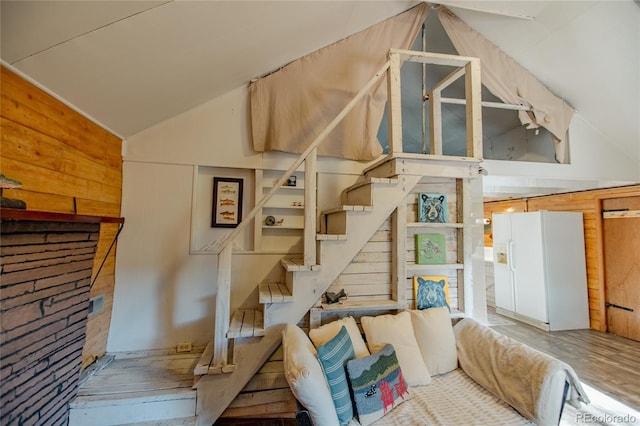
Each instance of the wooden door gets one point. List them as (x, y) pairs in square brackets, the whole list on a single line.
[(621, 229)]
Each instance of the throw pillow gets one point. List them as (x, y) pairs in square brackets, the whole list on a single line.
[(377, 384), (321, 335), (305, 376), (333, 356), (434, 333), (431, 292), (398, 331)]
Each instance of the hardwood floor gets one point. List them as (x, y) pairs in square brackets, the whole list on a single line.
[(604, 361)]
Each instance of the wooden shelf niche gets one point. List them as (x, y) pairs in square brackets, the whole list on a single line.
[(280, 226), (451, 265)]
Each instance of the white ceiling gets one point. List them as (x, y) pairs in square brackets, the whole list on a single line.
[(132, 64)]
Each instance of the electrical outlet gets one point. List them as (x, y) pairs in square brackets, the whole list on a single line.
[(184, 347)]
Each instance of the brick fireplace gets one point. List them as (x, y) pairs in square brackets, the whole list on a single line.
[(47, 262)]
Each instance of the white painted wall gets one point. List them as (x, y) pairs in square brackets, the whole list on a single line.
[(595, 162), (165, 295)]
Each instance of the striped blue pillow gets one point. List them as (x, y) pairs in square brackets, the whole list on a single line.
[(333, 356)]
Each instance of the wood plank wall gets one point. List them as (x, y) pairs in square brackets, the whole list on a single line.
[(590, 204), (66, 164)]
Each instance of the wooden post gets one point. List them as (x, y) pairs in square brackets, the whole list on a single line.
[(257, 220), (435, 121), (395, 104), (469, 199), (310, 200), (399, 253), (602, 314), (223, 302), (473, 92)]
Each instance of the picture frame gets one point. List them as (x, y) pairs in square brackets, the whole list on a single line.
[(431, 249), (227, 202), (431, 291), (432, 208)]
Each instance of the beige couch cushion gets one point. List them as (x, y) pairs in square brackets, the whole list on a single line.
[(398, 331), (305, 376), (434, 334)]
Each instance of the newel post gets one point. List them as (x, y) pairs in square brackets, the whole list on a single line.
[(223, 301)]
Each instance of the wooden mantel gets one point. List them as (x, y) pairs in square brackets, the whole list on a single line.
[(17, 214)]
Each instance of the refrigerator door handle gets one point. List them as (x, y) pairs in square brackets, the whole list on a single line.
[(511, 260)]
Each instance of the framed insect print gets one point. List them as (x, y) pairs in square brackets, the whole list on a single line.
[(227, 202)]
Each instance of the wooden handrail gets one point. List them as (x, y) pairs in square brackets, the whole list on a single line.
[(220, 245)]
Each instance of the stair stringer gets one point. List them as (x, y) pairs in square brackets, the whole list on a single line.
[(215, 392), (336, 255)]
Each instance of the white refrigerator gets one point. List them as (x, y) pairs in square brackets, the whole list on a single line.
[(539, 267)]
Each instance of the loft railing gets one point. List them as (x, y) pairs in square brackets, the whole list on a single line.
[(469, 67)]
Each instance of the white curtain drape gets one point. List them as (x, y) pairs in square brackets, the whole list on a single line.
[(511, 82), (292, 106)]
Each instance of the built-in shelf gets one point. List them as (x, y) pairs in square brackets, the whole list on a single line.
[(362, 305), (430, 225), (282, 227), (283, 206), (267, 188), (416, 267)]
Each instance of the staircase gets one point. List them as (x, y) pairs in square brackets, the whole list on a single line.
[(244, 340), (339, 241)]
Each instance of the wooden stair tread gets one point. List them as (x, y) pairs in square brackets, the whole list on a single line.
[(293, 264), (246, 323), (372, 180), (274, 293), (105, 399), (348, 208), (330, 237)]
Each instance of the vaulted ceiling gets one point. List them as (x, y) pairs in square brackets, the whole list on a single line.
[(132, 64)]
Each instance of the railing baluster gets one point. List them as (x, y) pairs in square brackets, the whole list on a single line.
[(310, 216)]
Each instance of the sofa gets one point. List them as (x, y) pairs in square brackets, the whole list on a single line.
[(416, 367)]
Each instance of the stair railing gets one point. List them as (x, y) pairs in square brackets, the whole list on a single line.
[(224, 247)]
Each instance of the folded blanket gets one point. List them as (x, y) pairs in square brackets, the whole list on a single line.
[(530, 381)]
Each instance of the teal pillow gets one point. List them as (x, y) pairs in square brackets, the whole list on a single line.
[(333, 356), (377, 384)]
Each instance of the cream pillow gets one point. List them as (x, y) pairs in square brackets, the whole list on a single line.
[(434, 333), (305, 376), (321, 335), (397, 330)]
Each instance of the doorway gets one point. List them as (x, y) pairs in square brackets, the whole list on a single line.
[(621, 248)]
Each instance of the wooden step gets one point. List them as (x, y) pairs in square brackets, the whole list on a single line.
[(295, 264), (361, 193), (274, 293), (137, 390), (204, 364), (246, 323), (331, 237), (334, 221), (348, 208)]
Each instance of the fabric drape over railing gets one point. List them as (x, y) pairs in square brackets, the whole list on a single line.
[(511, 82), (292, 106)]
